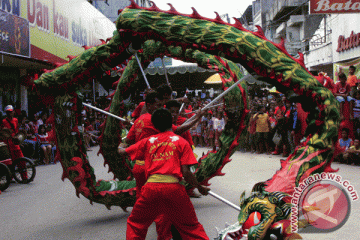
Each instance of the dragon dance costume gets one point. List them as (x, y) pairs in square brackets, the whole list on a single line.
[(212, 44)]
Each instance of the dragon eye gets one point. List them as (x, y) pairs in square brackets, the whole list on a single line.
[(253, 220)]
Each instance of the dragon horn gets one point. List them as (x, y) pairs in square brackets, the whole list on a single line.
[(242, 198)]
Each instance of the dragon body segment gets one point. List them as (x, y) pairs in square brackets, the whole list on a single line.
[(212, 44)]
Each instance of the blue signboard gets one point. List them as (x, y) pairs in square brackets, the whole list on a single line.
[(14, 35)]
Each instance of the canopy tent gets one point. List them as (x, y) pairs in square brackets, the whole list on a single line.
[(193, 68), (181, 77)]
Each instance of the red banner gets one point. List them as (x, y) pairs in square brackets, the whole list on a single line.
[(334, 6)]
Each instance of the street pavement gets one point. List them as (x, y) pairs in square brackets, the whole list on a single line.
[(49, 209)]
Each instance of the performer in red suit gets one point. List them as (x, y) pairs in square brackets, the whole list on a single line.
[(143, 128), (174, 107), (167, 159), (164, 94), (12, 123)]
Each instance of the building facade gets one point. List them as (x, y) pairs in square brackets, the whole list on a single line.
[(110, 8), (35, 34), (329, 39), (287, 19)]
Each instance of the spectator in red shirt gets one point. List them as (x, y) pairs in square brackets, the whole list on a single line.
[(188, 110), (326, 81), (279, 109), (351, 79), (167, 159), (342, 94), (11, 124)]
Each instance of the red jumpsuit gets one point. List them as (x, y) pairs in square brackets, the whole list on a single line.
[(137, 112), (186, 135), (162, 195), (141, 129), (12, 124), (15, 150)]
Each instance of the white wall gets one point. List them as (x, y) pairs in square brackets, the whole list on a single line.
[(344, 24), (319, 56)]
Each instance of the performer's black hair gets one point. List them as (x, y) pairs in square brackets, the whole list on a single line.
[(162, 119), (172, 103), (151, 97), (162, 90)]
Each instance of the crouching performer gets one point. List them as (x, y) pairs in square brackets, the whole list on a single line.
[(167, 159)]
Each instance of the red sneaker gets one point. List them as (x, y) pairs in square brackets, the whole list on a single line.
[(275, 153)]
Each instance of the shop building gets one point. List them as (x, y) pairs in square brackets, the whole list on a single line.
[(35, 34), (336, 45), (346, 43)]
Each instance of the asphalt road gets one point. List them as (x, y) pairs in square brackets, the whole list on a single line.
[(49, 209)]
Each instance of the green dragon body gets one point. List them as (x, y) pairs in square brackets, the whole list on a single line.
[(212, 44)]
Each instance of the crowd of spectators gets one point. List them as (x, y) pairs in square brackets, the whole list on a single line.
[(206, 132), (274, 127), (39, 139), (40, 142)]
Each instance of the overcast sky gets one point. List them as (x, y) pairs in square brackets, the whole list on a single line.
[(207, 8)]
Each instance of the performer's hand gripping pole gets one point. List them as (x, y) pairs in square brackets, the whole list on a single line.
[(224, 200), (133, 50), (105, 112)]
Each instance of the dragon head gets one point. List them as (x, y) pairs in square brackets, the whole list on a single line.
[(260, 211), (263, 215)]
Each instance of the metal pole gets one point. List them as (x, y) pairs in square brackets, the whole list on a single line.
[(183, 104), (94, 90), (224, 201), (142, 71), (165, 71), (222, 95), (217, 105), (105, 112)]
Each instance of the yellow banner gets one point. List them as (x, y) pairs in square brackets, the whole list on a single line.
[(60, 27)]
